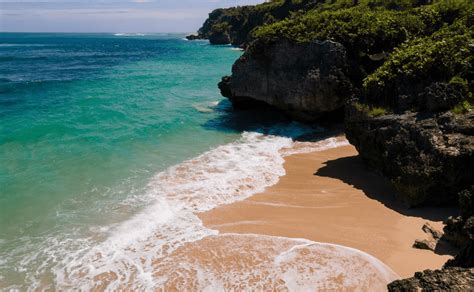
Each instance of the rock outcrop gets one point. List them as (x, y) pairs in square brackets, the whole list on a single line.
[(428, 157), (460, 230), (306, 80), (219, 38), (433, 238), (450, 279), (234, 25), (193, 37)]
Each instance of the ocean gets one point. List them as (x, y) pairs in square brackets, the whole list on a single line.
[(109, 146)]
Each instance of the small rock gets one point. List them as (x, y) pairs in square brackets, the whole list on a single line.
[(428, 229), (193, 37), (425, 244)]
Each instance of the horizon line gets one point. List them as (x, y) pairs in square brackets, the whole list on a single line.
[(99, 32)]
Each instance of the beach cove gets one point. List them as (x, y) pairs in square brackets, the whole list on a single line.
[(329, 196), (246, 145), (327, 224)]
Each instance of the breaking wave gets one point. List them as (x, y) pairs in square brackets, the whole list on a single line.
[(143, 251)]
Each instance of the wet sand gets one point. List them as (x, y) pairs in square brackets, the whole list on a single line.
[(330, 197)]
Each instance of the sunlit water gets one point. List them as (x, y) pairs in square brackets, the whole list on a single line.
[(109, 145)]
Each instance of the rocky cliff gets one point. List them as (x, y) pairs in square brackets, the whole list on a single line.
[(452, 279), (403, 71), (429, 157), (235, 25), (414, 124), (308, 65), (306, 80)]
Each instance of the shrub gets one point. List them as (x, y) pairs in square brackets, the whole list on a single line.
[(462, 108), (445, 56), (371, 111)]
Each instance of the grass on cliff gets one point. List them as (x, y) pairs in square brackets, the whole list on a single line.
[(371, 111), (446, 56), (369, 27), (402, 47), (239, 21), (462, 108), (405, 54)]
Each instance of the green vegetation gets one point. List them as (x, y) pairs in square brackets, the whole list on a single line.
[(220, 27), (367, 28), (360, 29), (401, 47), (239, 21), (462, 108), (372, 111), (405, 54), (445, 56)]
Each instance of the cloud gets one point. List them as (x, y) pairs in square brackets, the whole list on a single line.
[(106, 15)]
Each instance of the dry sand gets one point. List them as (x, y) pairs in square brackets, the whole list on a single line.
[(330, 197)]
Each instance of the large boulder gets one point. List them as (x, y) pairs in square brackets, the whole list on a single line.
[(306, 80), (429, 157)]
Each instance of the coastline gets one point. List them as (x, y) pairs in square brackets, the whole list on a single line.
[(328, 196)]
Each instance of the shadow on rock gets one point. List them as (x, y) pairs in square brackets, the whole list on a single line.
[(445, 248), (352, 171), (267, 120)]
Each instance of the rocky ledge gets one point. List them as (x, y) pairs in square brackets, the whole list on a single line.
[(306, 80), (451, 279), (429, 157)]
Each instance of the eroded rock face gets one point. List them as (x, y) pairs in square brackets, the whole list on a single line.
[(460, 230), (450, 279), (306, 80), (428, 157), (219, 38)]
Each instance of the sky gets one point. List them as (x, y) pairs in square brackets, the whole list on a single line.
[(117, 16)]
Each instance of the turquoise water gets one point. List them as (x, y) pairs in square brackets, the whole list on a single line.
[(109, 147), (86, 120)]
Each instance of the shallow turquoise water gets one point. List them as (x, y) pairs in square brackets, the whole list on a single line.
[(109, 147), (86, 120)]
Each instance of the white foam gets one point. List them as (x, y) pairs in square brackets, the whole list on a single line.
[(130, 34), (308, 147), (258, 262), (226, 174), (223, 175), (204, 107)]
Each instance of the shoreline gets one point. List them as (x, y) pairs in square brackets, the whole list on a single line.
[(329, 197)]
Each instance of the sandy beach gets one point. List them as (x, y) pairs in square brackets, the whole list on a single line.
[(330, 197)]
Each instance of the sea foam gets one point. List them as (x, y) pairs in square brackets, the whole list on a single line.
[(138, 253)]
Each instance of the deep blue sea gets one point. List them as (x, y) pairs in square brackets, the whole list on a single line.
[(109, 146)]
